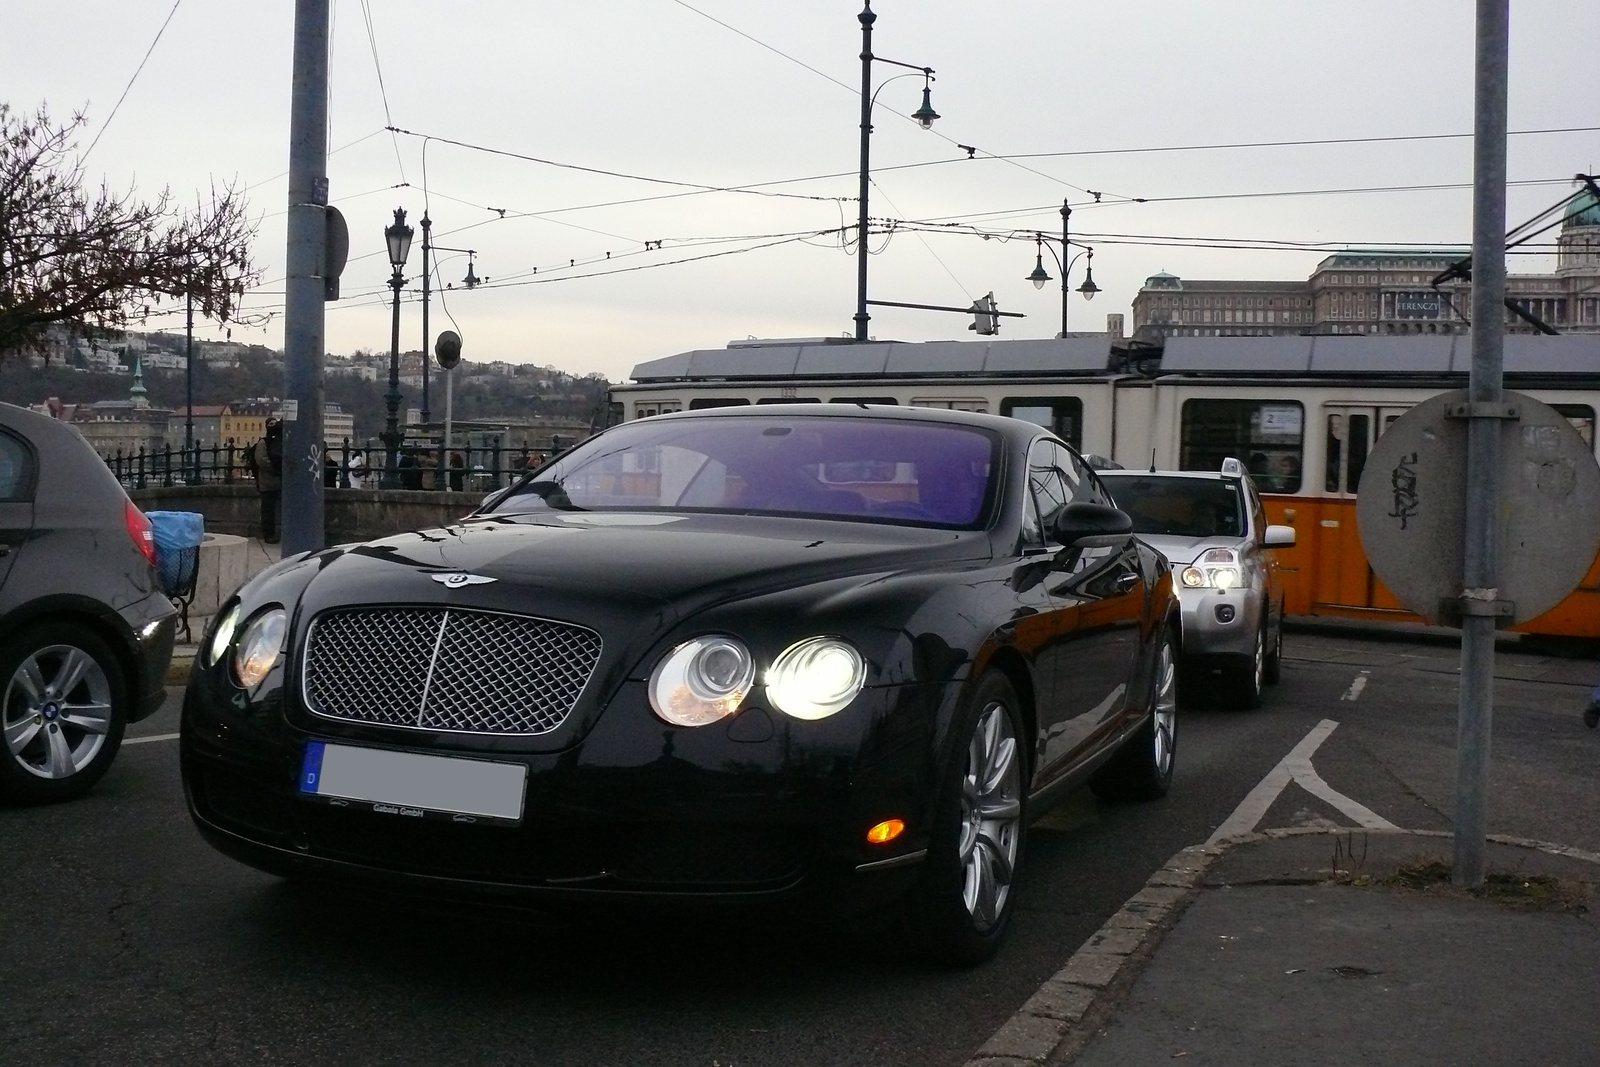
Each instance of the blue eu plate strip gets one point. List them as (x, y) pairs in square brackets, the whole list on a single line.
[(311, 770)]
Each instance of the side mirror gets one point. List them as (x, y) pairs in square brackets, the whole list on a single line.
[(1075, 522), (1280, 536)]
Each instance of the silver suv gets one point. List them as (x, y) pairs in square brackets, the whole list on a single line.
[(1211, 526)]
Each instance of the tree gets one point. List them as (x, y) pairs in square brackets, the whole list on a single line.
[(95, 260)]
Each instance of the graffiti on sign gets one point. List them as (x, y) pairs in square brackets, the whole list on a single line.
[(1403, 479)]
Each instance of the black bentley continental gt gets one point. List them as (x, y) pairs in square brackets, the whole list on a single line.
[(830, 654)]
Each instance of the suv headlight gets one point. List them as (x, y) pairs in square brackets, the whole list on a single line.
[(259, 647), (702, 680), (815, 678), (1217, 568)]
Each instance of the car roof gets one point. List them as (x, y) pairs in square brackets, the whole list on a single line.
[(1014, 429), (69, 467), (1213, 476)]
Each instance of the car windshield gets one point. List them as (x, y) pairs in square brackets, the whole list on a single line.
[(1177, 506), (869, 469)]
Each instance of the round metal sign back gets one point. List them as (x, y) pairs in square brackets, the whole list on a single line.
[(1410, 508)]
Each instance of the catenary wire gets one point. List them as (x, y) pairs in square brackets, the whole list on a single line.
[(118, 105)]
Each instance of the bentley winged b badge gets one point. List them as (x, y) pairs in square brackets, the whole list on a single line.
[(459, 579)]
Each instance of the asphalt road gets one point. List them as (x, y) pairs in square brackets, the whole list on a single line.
[(127, 939)]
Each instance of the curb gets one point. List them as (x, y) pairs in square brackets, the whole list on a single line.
[(182, 663), (1051, 1025)]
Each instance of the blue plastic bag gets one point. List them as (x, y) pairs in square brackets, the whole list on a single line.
[(177, 535)]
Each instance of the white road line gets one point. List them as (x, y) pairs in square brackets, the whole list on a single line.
[(146, 740), (1296, 767), (1356, 686)]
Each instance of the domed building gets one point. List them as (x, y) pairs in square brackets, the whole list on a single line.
[(1390, 292)]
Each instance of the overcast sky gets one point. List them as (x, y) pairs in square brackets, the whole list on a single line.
[(662, 89)]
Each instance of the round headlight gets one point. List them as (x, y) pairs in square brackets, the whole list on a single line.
[(702, 680), (1225, 577), (258, 647), (222, 637), (816, 677), (1193, 577)]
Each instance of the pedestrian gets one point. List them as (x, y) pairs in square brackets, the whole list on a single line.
[(330, 471), (457, 473), (410, 473), (265, 460), (358, 469)]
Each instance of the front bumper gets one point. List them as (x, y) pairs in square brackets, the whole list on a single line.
[(762, 807), (153, 623), (1220, 625)]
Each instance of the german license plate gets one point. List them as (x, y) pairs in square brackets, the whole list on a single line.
[(413, 784)]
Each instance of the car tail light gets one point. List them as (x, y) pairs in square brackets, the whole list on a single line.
[(139, 531)]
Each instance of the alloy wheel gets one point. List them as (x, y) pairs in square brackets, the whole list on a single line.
[(1164, 716), (57, 711), (991, 816)]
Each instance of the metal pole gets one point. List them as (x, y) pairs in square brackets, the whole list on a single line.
[(449, 383), (391, 427), (1473, 725), (867, 18), (305, 291), (1066, 258), (188, 387), (427, 227)]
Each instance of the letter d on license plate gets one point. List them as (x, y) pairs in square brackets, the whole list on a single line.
[(416, 784)]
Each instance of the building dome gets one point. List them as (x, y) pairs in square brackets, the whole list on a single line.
[(1585, 211), (1163, 280)]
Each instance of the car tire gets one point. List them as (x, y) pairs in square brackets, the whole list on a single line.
[(63, 707), (1272, 669), (1247, 681), (963, 902), (1142, 767)]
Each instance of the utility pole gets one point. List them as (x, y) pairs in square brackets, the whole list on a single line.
[(867, 18), (303, 316), (1485, 401), (427, 246), (1066, 260)]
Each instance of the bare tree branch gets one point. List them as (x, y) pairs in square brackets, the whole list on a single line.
[(93, 261)]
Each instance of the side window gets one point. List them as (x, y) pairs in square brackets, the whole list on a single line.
[(1085, 486), (16, 469), (1268, 435), (1046, 485)]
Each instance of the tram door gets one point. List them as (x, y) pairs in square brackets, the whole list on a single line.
[(1343, 576)]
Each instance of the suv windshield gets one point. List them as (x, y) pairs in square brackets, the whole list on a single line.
[(845, 467), (1178, 506)]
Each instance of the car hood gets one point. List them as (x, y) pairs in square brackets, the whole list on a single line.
[(621, 571), (1182, 551)]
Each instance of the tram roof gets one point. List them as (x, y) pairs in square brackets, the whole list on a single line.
[(1071, 355), (1414, 354)]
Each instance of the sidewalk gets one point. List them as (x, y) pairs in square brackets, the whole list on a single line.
[(1303, 947), (260, 556)]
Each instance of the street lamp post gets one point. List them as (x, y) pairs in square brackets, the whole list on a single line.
[(427, 247), (924, 115), (398, 238), (1040, 276)]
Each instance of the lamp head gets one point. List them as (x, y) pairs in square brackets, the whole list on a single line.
[(398, 238), (925, 114), (1039, 277), (1089, 288)]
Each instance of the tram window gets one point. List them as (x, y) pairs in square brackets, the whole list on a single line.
[(980, 406), (1582, 418), (1267, 434), (1360, 431), (1335, 456), (789, 400), (644, 409), (887, 401), (1061, 415), (717, 402)]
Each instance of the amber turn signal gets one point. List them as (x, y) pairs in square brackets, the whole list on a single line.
[(886, 831)]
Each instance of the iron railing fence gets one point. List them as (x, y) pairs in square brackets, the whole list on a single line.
[(477, 468)]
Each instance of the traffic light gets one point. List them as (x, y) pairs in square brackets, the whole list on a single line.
[(984, 319)]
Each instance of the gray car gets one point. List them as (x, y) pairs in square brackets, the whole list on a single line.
[(1211, 526), (85, 632)]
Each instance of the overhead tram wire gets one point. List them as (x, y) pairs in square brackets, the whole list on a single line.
[(383, 91), (118, 105)]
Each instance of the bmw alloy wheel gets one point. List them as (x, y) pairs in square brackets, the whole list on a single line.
[(57, 711)]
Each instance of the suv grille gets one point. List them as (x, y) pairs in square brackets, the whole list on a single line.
[(447, 669)]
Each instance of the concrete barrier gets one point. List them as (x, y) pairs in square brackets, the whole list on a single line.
[(348, 514), (224, 567)]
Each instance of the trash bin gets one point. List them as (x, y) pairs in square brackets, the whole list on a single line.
[(177, 535)]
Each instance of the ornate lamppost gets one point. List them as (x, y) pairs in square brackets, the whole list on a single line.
[(924, 115), (1040, 276), (398, 238)]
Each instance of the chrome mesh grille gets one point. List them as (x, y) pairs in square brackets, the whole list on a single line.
[(447, 669)]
